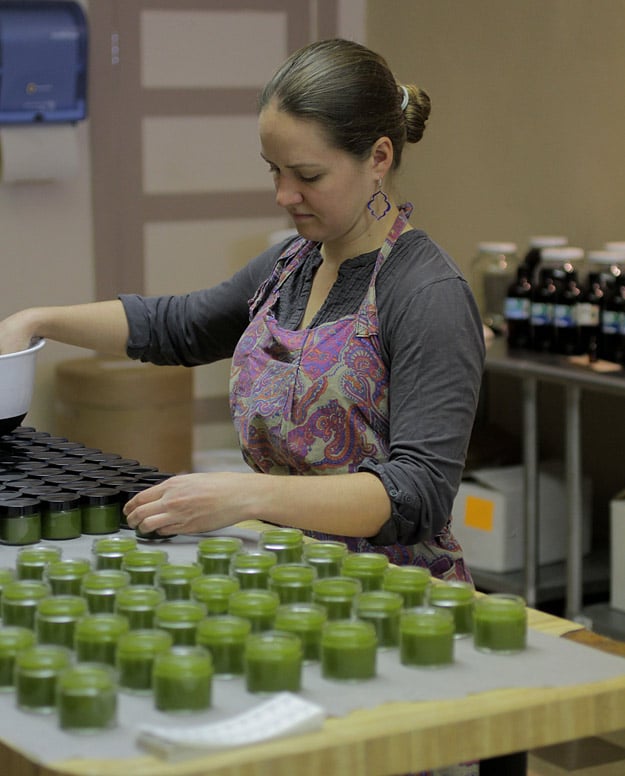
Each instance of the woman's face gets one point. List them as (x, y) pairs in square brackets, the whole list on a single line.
[(324, 190)]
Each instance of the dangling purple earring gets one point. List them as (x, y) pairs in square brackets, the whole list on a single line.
[(382, 203)]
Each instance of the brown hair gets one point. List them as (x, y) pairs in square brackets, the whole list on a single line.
[(352, 93)]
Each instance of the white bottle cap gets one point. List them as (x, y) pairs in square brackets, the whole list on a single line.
[(497, 247), (568, 253), (548, 241), (606, 257), (615, 246)]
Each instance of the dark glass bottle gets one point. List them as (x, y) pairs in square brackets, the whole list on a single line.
[(542, 311), (613, 323), (589, 310), (534, 251), (518, 310), (566, 331)]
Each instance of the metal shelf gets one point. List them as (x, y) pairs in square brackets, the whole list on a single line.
[(551, 583), (606, 621)]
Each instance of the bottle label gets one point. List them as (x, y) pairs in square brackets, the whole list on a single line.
[(588, 314), (564, 316), (542, 314), (610, 322), (516, 309)]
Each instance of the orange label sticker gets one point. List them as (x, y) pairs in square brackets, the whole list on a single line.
[(479, 513)]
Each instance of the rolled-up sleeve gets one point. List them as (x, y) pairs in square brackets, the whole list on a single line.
[(435, 350)]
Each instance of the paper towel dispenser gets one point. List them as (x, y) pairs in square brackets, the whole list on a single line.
[(43, 62)]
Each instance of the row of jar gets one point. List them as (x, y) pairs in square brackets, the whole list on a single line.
[(81, 683)]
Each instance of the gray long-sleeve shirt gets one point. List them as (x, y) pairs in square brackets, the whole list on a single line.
[(431, 340)]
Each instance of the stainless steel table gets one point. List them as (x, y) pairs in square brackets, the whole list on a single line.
[(531, 369)]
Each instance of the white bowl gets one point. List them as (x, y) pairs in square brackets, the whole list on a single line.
[(17, 378)]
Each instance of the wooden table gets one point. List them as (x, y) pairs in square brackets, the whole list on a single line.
[(399, 737)]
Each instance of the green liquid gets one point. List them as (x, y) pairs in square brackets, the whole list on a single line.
[(306, 620), (13, 640), (19, 602), (500, 624), (137, 603), (31, 562), (175, 580), (224, 636), (459, 599), (426, 638), (411, 582), (101, 519), (136, 653), (292, 582), (20, 530), (141, 565), (61, 524), (337, 594), (348, 651), (180, 619), (109, 552), (325, 557), (368, 567), (286, 543), (87, 699), (215, 553), (257, 606), (65, 576), (273, 662), (96, 638), (214, 592), (56, 618), (36, 676), (182, 680), (100, 588)]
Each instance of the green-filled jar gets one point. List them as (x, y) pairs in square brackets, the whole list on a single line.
[(214, 592), (326, 557), (56, 618), (251, 569), (215, 553), (13, 639), (368, 567), (19, 601), (61, 516), (286, 543), (337, 595), (175, 579), (142, 564), (87, 698), (36, 674), (273, 662), (96, 638), (459, 598), (500, 623), (306, 620), (137, 603), (136, 651), (20, 521), (31, 562), (180, 618), (411, 582), (257, 606), (182, 680), (6, 575), (65, 576), (293, 582), (101, 510), (108, 551), (426, 637), (382, 609), (348, 650), (224, 636), (100, 589)]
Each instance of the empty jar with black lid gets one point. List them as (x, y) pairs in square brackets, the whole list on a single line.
[(20, 521), (100, 510)]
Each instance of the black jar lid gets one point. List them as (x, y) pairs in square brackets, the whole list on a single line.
[(38, 491), (29, 466), (84, 451), (12, 476), (154, 478), (102, 458), (99, 496), (59, 477), (121, 463), (140, 471), (64, 445), (46, 455), (118, 482), (128, 491), (61, 500), (19, 507), (24, 483), (66, 460)]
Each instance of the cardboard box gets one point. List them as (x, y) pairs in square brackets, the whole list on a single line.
[(488, 517), (617, 551), (138, 410)]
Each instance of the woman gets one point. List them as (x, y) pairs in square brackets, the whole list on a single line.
[(357, 349)]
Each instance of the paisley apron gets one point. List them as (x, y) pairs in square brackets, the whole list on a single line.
[(315, 401)]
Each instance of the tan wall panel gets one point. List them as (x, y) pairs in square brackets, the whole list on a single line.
[(210, 48), (202, 153)]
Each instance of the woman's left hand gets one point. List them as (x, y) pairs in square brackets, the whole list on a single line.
[(191, 503)]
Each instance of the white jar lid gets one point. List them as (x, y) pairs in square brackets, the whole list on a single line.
[(568, 253), (547, 241), (606, 257), (619, 245), (497, 247)]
